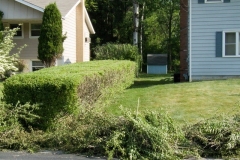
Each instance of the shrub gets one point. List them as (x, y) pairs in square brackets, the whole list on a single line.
[(59, 89), (50, 45), (7, 60), (118, 52)]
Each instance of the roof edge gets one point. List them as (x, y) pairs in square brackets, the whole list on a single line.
[(72, 9), (30, 5), (89, 23)]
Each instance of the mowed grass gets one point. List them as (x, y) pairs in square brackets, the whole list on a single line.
[(185, 102)]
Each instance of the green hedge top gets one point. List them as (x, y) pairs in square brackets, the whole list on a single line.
[(60, 88)]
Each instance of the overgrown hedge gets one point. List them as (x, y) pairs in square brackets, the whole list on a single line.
[(59, 89)]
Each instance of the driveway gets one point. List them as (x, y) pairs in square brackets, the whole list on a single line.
[(44, 155), (59, 155)]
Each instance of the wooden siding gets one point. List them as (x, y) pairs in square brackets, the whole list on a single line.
[(15, 11), (31, 51), (69, 26), (207, 19), (86, 53)]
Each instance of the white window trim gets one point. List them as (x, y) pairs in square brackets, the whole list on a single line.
[(220, 1), (237, 32), (30, 29), (22, 37)]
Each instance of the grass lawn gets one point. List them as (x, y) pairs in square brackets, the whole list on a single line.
[(185, 102)]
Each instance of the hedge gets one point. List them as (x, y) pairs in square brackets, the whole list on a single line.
[(60, 89)]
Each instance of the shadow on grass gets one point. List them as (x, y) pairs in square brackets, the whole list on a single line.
[(149, 83)]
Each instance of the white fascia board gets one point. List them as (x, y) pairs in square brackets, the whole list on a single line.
[(64, 17), (89, 23), (30, 5)]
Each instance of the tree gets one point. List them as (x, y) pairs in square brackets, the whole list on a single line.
[(1, 25), (7, 61), (162, 24), (50, 45), (160, 29)]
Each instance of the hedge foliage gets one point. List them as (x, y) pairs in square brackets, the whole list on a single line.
[(111, 51), (117, 52), (60, 89)]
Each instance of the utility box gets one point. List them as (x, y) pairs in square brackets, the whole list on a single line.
[(157, 64)]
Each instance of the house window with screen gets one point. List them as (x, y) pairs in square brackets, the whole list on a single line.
[(213, 1), (19, 33), (231, 45), (36, 65), (35, 29)]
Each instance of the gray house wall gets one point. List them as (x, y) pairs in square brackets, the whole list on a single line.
[(206, 20)]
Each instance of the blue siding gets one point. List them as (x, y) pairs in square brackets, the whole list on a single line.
[(157, 69), (207, 19)]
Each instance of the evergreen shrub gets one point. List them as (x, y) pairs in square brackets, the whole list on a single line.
[(50, 46), (59, 89)]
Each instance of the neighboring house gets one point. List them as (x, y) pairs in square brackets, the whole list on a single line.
[(210, 39), (75, 20)]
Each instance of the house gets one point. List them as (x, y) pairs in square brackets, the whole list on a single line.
[(75, 20), (209, 39)]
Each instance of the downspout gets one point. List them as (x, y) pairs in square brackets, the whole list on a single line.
[(190, 42)]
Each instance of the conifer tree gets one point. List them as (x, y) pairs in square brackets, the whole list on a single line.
[(50, 45)]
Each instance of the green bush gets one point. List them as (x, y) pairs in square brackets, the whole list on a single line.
[(50, 46), (118, 52), (59, 89)]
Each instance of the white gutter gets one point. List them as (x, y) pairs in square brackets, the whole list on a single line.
[(30, 5), (190, 42), (89, 23)]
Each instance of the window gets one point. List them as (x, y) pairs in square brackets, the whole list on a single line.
[(19, 33), (213, 1), (36, 65), (231, 44), (35, 29)]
